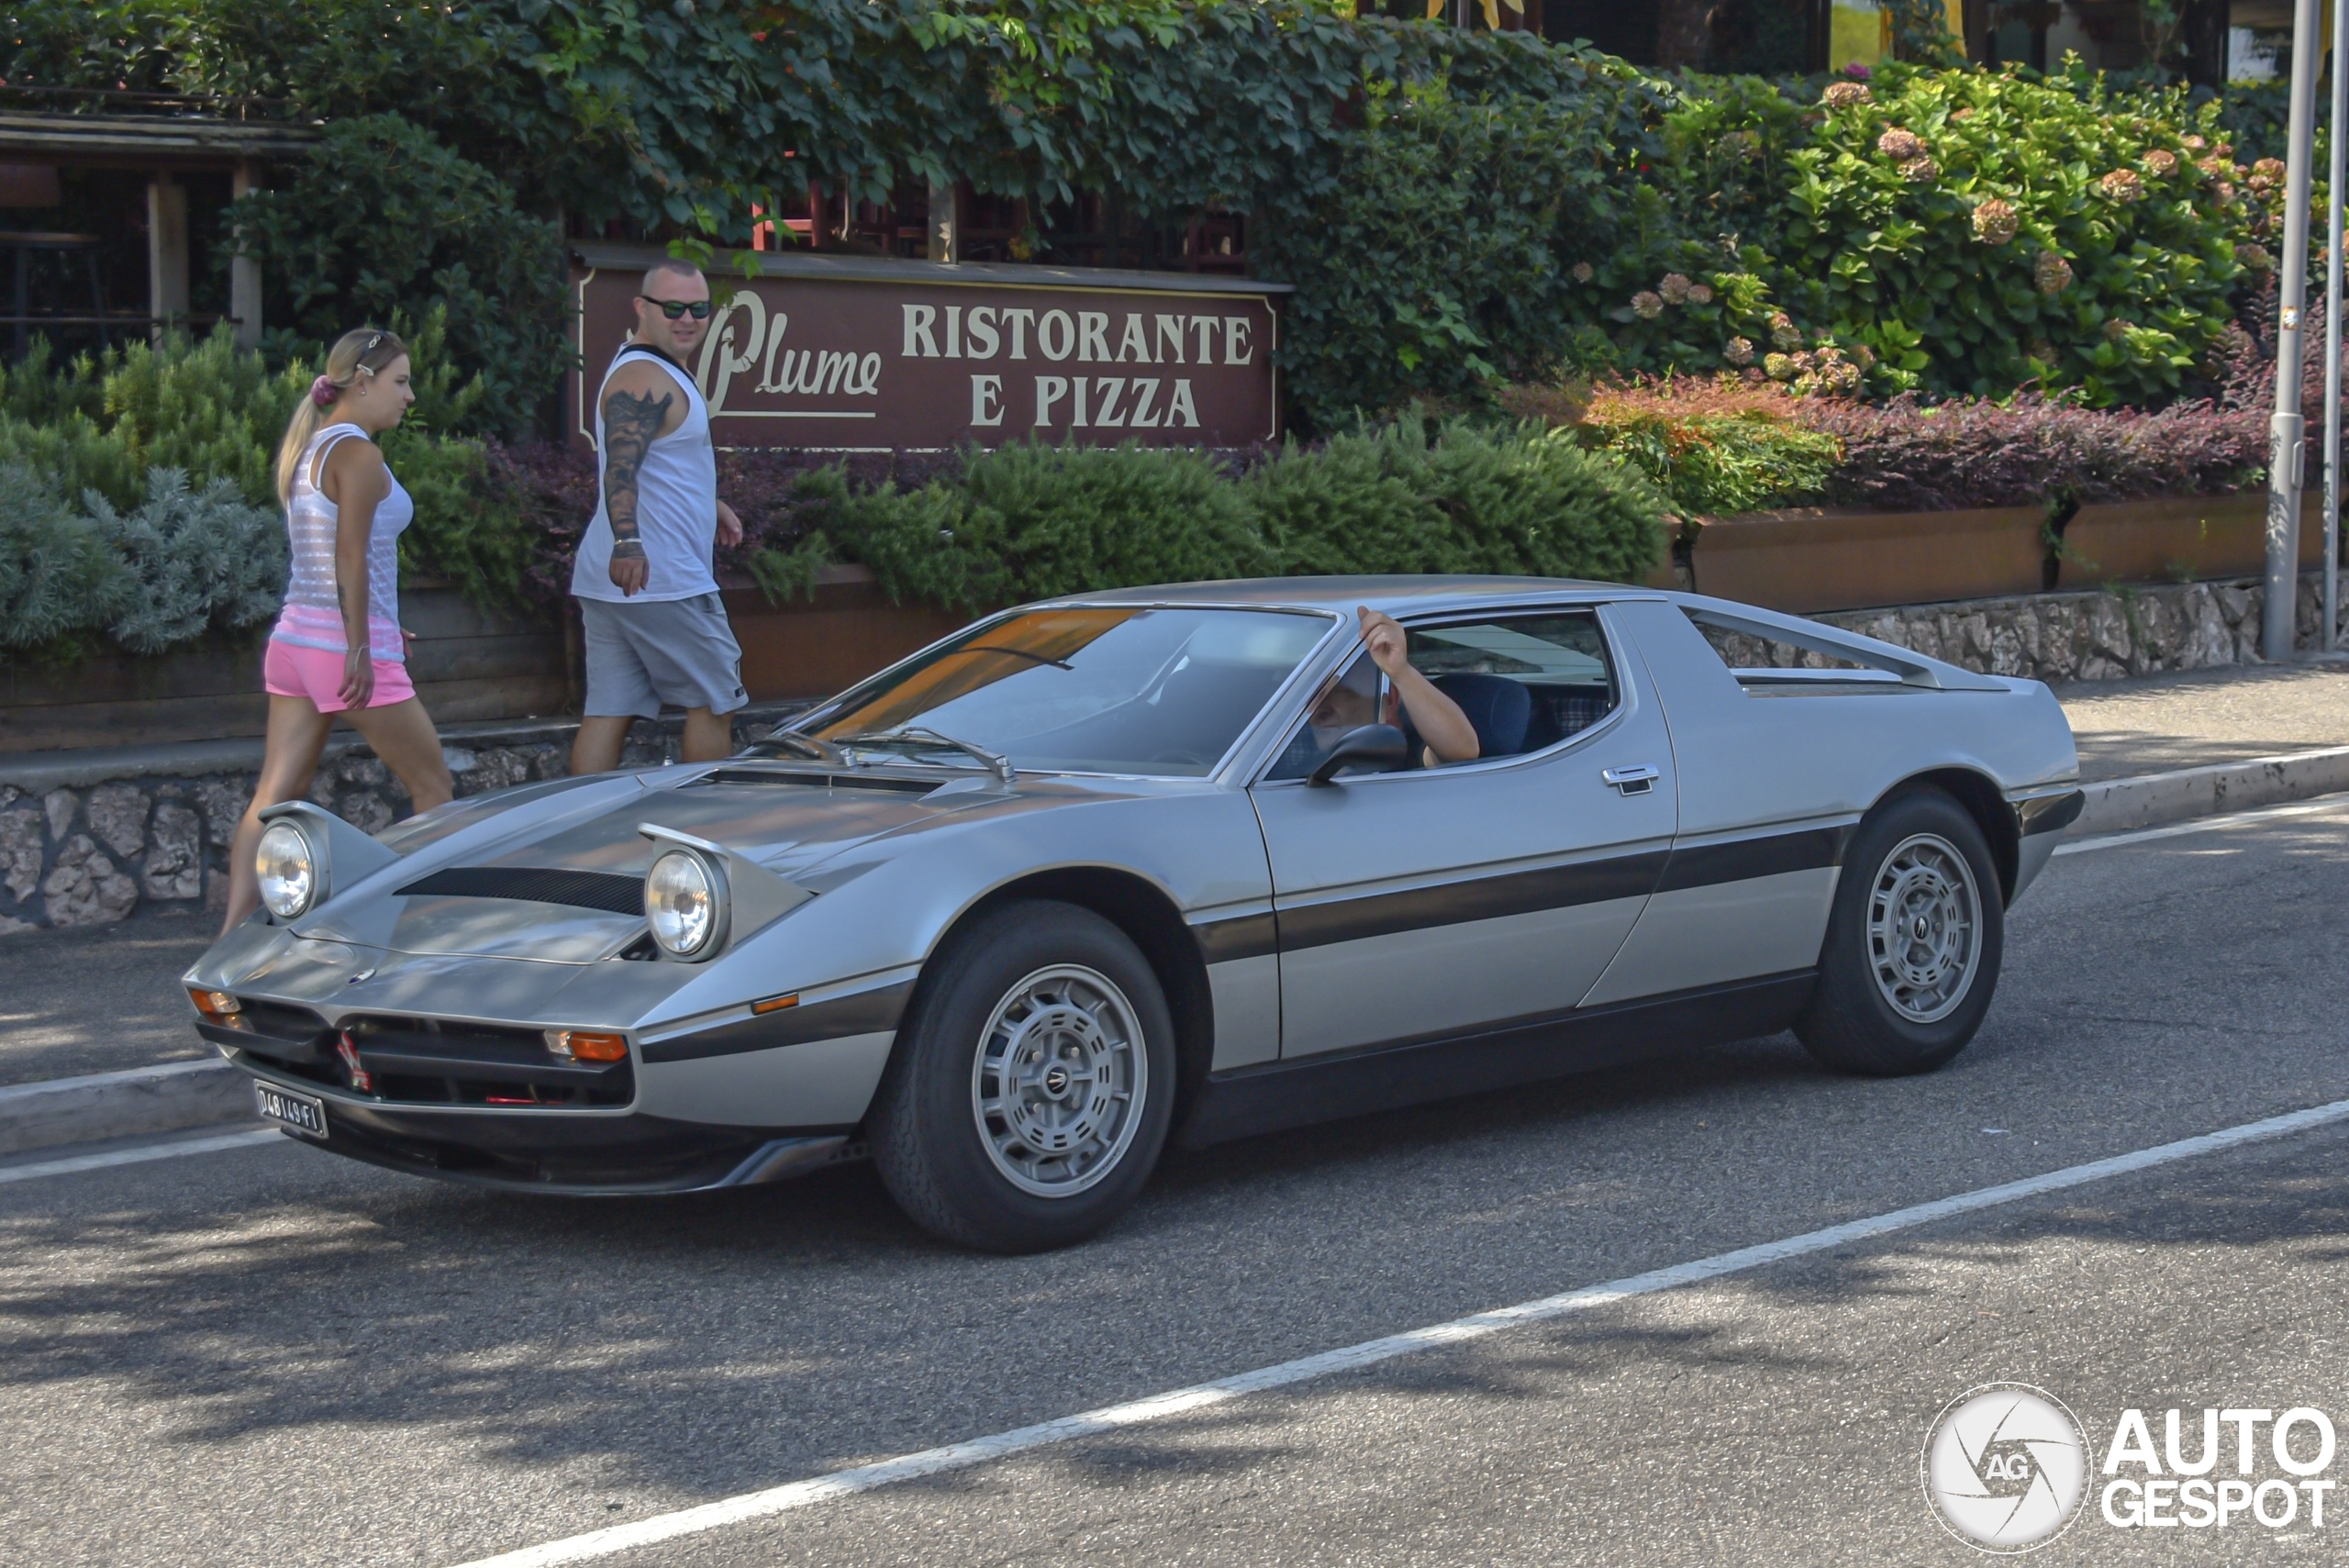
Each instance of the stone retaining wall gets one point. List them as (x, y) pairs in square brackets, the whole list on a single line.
[(93, 851), (2058, 638)]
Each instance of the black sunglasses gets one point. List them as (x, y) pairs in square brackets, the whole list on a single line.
[(672, 309)]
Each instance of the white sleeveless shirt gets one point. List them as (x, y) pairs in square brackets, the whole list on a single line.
[(676, 502), (311, 619)]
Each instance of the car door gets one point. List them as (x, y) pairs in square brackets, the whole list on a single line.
[(1770, 788), (1432, 901)]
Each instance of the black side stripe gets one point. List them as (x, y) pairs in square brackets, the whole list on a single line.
[(1479, 898), (1236, 937), (1742, 860), (1303, 926), (860, 1012)]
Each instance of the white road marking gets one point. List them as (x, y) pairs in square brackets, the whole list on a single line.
[(2204, 825), (1181, 1401), (139, 1155)]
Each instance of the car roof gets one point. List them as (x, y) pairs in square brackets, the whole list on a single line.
[(1396, 596)]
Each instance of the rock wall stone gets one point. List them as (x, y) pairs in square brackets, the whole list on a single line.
[(2059, 637), (159, 844)]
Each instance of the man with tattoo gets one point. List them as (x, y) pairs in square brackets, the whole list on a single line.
[(656, 632)]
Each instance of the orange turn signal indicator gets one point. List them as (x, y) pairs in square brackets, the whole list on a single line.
[(776, 1004), (217, 1005), (587, 1045)]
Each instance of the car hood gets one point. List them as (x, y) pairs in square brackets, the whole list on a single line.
[(788, 823)]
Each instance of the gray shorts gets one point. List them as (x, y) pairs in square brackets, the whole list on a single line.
[(679, 651)]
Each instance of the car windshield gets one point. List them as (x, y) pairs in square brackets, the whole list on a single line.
[(1111, 690)]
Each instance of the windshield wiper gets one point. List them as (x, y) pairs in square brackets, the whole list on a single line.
[(1020, 654), (1001, 765), (809, 745)]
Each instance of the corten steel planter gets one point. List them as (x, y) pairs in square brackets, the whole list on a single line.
[(2181, 539), (467, 664), (1809, 559), (814, 648)]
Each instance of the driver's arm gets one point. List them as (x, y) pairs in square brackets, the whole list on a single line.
[(1449, 737)]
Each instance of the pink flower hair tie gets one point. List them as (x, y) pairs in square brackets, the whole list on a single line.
[(322, 391)]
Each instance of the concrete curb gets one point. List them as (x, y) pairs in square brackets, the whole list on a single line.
[(165, 1099), (182, 1095), (2115, 805)]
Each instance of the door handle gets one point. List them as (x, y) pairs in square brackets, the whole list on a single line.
[(1637, 780)]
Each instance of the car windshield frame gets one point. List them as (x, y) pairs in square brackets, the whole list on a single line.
[(865, 691)]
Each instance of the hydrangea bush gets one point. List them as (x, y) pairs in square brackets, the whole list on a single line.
[(1941, 231)]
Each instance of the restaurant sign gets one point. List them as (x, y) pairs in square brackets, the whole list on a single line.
[(858, 354)]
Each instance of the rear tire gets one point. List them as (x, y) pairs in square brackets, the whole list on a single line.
[(1913, 942), (1029, 1095)]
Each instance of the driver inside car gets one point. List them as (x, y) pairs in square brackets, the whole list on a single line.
[(1355, 700)]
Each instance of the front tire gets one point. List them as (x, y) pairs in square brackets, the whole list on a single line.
[(1028, 1096), (1913, 942)]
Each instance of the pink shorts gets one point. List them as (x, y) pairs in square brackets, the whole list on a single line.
[(289, 671)]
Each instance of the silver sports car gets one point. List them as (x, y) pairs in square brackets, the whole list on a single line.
[(1159, 862)]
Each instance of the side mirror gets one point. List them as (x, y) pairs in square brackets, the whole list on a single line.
[(1371, 746)]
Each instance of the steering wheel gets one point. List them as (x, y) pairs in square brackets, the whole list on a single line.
[(1192, 758)]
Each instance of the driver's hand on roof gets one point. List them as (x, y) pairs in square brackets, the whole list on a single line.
[(1449, 736)]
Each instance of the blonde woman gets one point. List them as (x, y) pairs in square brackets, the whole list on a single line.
[(337, 647)]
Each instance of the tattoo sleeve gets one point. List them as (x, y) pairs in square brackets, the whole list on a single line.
[(629, 424)]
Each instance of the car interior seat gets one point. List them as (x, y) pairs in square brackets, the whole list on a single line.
[(1498, 709)]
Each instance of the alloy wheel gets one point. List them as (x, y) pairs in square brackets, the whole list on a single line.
[(1058, 1084), (1924, 927)]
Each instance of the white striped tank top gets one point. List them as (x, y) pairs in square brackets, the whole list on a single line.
[(310, 618)]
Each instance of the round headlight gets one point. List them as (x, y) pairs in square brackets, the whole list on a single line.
[(681, 901), (288, 871)]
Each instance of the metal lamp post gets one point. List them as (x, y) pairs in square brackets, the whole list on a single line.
[(2332, 271), (2287, 431)]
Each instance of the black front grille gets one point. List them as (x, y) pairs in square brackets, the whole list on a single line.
[(579, 889), (427, 1061)]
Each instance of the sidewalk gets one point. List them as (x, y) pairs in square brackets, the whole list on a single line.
[(75, 1002), (2159, 723)]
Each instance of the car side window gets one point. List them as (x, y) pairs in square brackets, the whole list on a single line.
[(1524, 683)]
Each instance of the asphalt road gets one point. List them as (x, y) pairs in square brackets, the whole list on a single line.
[(268, 1355)]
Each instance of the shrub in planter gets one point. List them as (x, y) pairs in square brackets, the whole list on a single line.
[(60, 583), (1713, 446), (1974, 453), (197, 561), (1030, 521), (1423, 495), (101, 423)]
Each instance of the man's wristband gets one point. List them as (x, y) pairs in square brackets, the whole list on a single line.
[(627, 550)]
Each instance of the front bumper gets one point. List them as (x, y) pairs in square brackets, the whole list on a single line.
[(578, 1153)]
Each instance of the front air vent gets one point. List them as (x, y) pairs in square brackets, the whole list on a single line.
[(580, 889), (819, 781)]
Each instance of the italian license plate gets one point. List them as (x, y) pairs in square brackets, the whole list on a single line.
[(287, 1109)]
